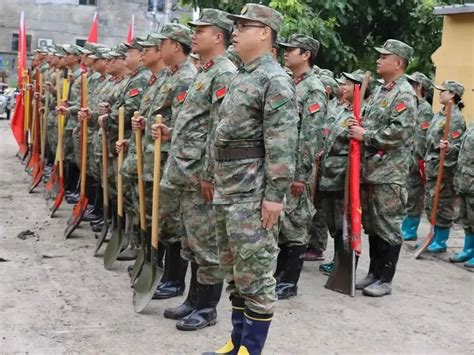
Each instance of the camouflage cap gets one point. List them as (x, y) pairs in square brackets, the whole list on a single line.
[(451, 85), (326, 72), (120, 51), (176, 32), (393, 46), (421, 79), (195, 56), (151, 41), (213, 17), (135, 44), (59, 51), (328, 81), (356, 76), (101, 53), (298, 40), (42, 50), (72, 49), (92, 47), (260, 13)]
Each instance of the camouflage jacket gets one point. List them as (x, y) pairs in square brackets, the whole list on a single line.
[(74, 99), (423, 119), (464, 178), (312, 104), (167, 102), (259, 110), (335, 152), (129, 167), (389, 120), (434, 134), (189, 158), (97, 94)]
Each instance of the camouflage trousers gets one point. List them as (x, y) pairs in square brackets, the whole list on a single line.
[(318, 230), (466, 212), (247, 254), (52, 136), (333, 205), (68, 145), (447, 197), (296, 220), (383, 209), (199, 242), (415, 190), (95, 162)]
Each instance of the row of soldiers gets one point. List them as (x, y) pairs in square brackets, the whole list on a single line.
[(244, 141)]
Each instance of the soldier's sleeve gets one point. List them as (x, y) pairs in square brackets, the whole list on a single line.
[(133, 98), (456, 131), (400, 127), (75, 102), (280, 135), (425, 115), (219, 89), (310, 135)]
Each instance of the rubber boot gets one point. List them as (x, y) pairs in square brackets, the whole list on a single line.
[(373, 274), (174, 285), (281, 261), (467, 252), (91, 213), (205, 314), (388, 265), (191, 301), (255, 332), (288, 285), (237, 318), (438, 245), (410, 227), (161, 254), (469, 264), (72, 184)]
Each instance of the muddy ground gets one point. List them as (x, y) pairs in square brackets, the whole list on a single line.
[(55, 297)]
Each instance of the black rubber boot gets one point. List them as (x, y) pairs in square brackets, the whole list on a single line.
[(373, 274), (205, 314), (174, 285), (288, 285), (72, 183), (191, 301), (94, 195), (281, 262), (161, 254)]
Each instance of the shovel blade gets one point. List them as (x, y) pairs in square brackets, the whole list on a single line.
[(114, 247), (145, 286), (76, 218), (421, 249), (103, 232), (58, 200), (137, 266), (341, 278), (36, 180)]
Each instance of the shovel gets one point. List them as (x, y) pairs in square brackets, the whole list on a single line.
[(116, 241), (137, 266), (150, 275), (439, 180), (38, 171), (105, 191), (33, 161), (60, 196), (25, 149), (81, 205)]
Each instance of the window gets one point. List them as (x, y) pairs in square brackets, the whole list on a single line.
[(160, 5), (81, 42), (88, 2), (15, 42)]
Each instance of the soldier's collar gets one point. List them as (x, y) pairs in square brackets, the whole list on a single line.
[(256, 62), (208, 65), (301, 77), (102, 77), (118, 79), (134, 73), (152, 80)]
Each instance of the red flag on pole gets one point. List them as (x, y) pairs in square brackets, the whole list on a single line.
[(131, 30), (18, 123), (94, 31), (354, 181)]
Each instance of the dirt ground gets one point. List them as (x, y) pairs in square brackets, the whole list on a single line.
[(55, 297)]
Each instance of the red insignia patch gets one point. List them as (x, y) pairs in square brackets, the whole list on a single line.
[(133, 92), (209, 64), (182, 96), (152, 80), (326, 132), (221, 92), (400, 107), (455, 134), (314, 108), (425, 125)]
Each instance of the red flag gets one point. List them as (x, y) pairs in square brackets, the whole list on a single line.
[(18, 123), (355, 210), (94, 31), (21, 50), (131, 30)]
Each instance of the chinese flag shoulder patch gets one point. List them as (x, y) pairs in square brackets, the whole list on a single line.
[(400, 107), (455, 134), (314, 108), (133, 92), (182, 96), (220, 93), (425, 125)]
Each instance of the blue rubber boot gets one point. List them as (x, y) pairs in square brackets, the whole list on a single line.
[(255, 333), (438, 245), (469, 264), (410, 227), (467, 252)]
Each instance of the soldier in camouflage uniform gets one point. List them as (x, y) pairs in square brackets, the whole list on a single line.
[(388, 124), (300, 55), (189, 170), (416, 177), (175, 49), (464, 185), (255, 145), (450, 90)]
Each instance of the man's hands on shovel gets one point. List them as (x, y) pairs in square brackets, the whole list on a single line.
[(138, 123), (84, 113), (123, 144), (159, 129)]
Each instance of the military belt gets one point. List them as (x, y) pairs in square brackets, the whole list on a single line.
[(226, 154)]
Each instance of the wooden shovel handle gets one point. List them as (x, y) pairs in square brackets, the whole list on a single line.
[(141, 188), (105, 167), (442, 156), (84, 103), (121, 114), (65, 94), (155, 220)]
